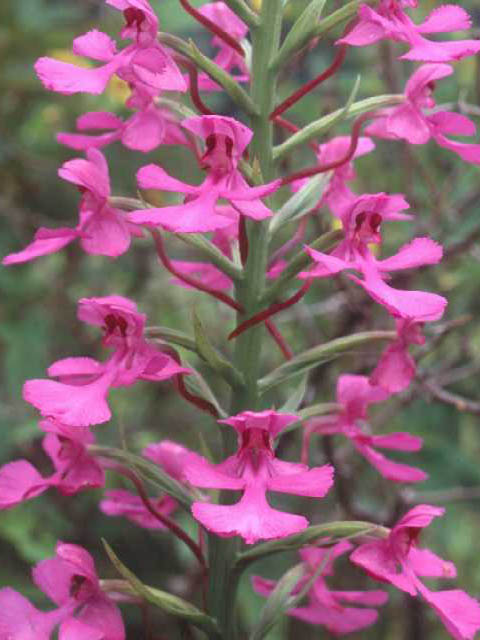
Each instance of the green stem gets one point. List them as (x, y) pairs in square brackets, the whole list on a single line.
[(248, 292)]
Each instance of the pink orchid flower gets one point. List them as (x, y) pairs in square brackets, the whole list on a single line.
[(355, 394), (75, 469), (326, 607), (399, 561), (83, 611), (396, 367), (225, 139), (411, 121), (389, 21), (254, 470), (79, 398), (102, 230), (361, 224), (148, 128), (144, 63), (226, 58)]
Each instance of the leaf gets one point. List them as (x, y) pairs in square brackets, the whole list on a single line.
[(197, 384), (166, 601), (148, 470), (302, 31), (278, 602), (301, 202), (172, 336), (319, 355), (322, 125), (331, 532), (213, 357), (297, 396)]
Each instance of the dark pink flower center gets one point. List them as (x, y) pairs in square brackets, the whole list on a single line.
[(218, 153), (76, 584), (134, 16), (367, 227), (255, 446), (112, 323)]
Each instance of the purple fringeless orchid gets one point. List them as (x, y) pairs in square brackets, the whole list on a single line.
[(354, 395), (414, 122), (144, 63), (79, 398), (84, 611), (254, 470), (389, 21), (225, 141), (102, 229), (326, 607), (399, 561), (361, 224)]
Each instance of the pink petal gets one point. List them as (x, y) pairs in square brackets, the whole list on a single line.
[(156, 68), (202, 473), (76, 469), (119, 502), (96, 45), (423, 77), (204, 271), (424, 562), (446, 18), (314, 483), (80, 406), (73, 629), (399, 441), (325, 265), (67, 78), (394, 471), (20, 620), (459, 612), (91, 174), (169, 455), (450, 123), (154, 177), (395, 369), (252, 518), (19, 481), (45, 241), (420, 306), (102, 614), (445, 51), (369, 598), (98, 120), (196, 216), (203, 126), (144, 131), (418, 252), (419, 517), (106, 233), (340, 620), (81, 142), (75, 367), (377, 559), (408, 123)]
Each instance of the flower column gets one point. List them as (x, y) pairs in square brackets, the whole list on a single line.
[(265, 43)]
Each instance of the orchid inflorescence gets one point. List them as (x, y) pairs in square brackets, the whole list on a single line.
[(231, 218)]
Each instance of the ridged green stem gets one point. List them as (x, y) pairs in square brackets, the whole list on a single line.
[(248, 292)]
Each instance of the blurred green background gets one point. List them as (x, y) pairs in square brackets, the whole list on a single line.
[(38, 317)]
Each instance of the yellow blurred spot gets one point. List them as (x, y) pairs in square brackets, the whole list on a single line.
[(374, 248), (65, 55), (256, 4), (336, 223), (118, 90)]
